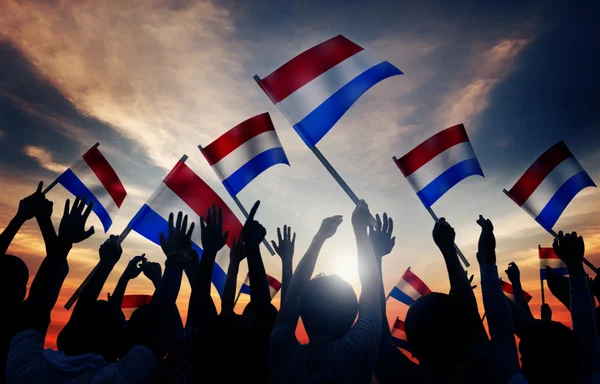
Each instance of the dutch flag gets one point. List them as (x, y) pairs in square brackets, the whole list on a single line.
[(507, 289), (550, 259), (274, 285), (409, 288), (439, 163), (244, 152), (316, 88), (183, 190), (93, 177), (135, 301), (549, 185), (399, 335)]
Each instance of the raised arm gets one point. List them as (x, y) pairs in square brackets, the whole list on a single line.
[(570, 248), (132, 271), (202, 307), (285, 250), (153, 271), (514, 276), (237, 253), (254, 233)]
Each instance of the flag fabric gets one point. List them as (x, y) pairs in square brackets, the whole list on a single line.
[(183, 190), (409, 288), (549, 258), (549, 185), (439, 163), (244, 152), (315, 89), (93, 177), (507, 289), (399, 335), (274, 285), (135, 301)]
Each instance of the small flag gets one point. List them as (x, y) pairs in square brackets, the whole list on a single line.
[(409, 288), (507, 289), (316, 88), (93, 177), (183, 190), (399, 335), (274, 285), (549, 258), (439, 163), (135, 301), (244, 152), (549, 185)]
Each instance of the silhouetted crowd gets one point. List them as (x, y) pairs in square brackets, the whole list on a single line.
[(349, 337)]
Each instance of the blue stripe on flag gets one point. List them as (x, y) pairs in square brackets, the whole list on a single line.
[(401, 344), (452, 176), (150, 224), (317, 123), (72, 184), (401, 296), (245, 289), (247, 172), (559, 271), (557, 204)]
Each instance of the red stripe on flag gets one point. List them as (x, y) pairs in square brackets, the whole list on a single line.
[(200, 197), (307, 66), (236, 136), (430, 148), (415, 282), (273, 283), (399, 324), (538, 171), (135, 301), (106, 174), (507, 288), (547, 253)]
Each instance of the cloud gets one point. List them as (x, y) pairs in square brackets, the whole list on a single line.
[(44, 158)]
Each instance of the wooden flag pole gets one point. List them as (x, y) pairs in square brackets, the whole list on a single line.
[(53, 184), (241, 207), (541, 281), (435, 218), (85, 282), (555, 235)]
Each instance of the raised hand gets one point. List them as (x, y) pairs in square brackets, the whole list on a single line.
[(253, 231), (285, 248), (487, 242), (110, 251), (134, 267), (443, 234), (152, 270), (211, 228), (237, 253), (361, 217), (471, 281), (381, 236), (514, 276), (546, 312), (72, 225), (177, 246), (329, 226), (570, 248), (34, 205)]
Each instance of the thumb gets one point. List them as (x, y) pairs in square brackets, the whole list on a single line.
[(275, 247), (87, 234)]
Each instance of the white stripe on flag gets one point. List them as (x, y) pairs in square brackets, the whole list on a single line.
[(87, 176), (408, 289), (440, 164), (246, 152), (552, 263), (273, 291), (302, 102), (544, 192)]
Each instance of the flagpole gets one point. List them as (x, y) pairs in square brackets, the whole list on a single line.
[(237, 298), (53, 184), (122, 237), (541, 280), (435, 218), (555, 235), (241, 207)]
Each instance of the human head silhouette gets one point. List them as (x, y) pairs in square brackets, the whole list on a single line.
[(550, 353), (437, 328), (13, 280), (328, 307), (140, 324), (97, 327)]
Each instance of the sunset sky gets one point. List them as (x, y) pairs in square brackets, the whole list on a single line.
[(150, 80)]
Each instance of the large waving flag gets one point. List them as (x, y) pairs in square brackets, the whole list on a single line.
[(316, 88), (183, 190), (507, 289), (274, 285), (549, 185), (439, 163), (93, 177), (409, 288), (399, 335), (551, 259), (244, 152)]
